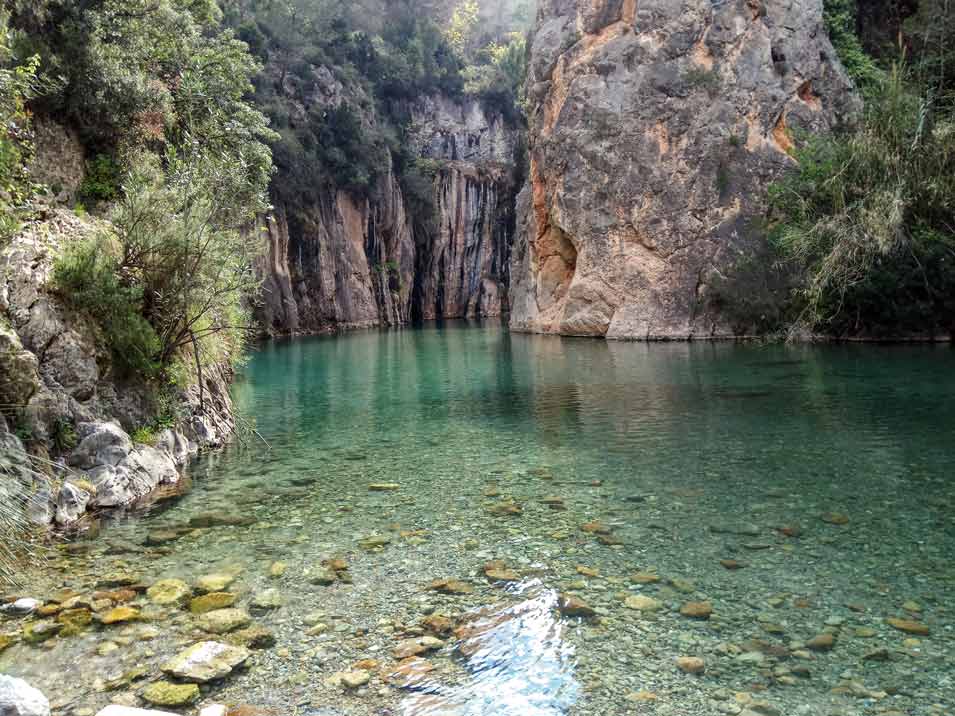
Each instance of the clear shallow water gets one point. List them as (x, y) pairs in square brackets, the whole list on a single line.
[(688, 454)]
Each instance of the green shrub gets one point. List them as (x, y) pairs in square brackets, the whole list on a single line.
[(144, 435), (102, 179), (840, 17), (869, 218), (87, 277)]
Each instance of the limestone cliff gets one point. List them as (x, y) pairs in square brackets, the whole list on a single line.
[(345, 262), (655, 127)]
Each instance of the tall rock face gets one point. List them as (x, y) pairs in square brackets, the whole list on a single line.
[(343, 263), (655, 127), (350, 263), (463, 260)]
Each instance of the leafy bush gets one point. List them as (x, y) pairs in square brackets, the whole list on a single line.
[(87, 277), (144, 435), (840, 17), (869, 217), (19, 82), (101, 180)]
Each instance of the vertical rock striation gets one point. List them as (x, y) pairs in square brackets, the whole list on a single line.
[(463, 261), (350, 263), (655, 127), (345, 263)]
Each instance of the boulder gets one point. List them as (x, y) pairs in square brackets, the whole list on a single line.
[(100, 444), (18, 698), (205, 661), (71, 502), (176, 446)]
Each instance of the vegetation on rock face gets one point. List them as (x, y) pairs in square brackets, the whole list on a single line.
[(180, 161), (868, 217), (340, 77), (19, 82)]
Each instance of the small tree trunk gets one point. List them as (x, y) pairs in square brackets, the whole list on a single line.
[(202, 390)]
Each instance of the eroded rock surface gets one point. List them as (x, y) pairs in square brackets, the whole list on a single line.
[(655, 126), (343, 261), (58, 390)]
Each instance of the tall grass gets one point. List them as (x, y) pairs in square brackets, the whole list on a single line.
[(20, 473)]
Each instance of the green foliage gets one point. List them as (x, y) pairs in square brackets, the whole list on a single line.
[(840, 17), (87, 276), (499, 79), (101, 180), (64, 435), (929, 34), (19, 82), (869, 218), (145, 435), (462, 27)]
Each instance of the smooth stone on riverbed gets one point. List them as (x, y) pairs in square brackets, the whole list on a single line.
[(206, 661), (222, 621), (697, 610), (21, 607), (119, 710), (214, 582), (691, 664), (169, 591), (211, 601), (909, 626), (571, 606), (642, 603), (18, 698), (267, 599), (164, 693)]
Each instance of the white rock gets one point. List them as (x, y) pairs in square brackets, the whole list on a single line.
[(103, 444), (214, 710), (117, 710), (18, 698), (22, 606), (206, 661), (71, 503)]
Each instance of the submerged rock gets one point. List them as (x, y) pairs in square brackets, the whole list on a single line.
[(164, 693), (691, 664), (571, 606), (642, 603), (211, 601), (222, 621), (18, 698), (206, 661), (218, 582), (40, 631), (267, 599), (909, 626), (169, 591), (120, 710), (21, 607)]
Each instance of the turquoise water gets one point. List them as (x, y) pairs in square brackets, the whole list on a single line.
[(687, 454)]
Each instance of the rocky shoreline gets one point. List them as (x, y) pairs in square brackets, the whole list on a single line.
[(66, 417)]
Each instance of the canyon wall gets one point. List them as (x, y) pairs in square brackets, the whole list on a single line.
[(655, 127), (347, 262)]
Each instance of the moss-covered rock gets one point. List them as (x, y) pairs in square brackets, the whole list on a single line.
[(165, 693)]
